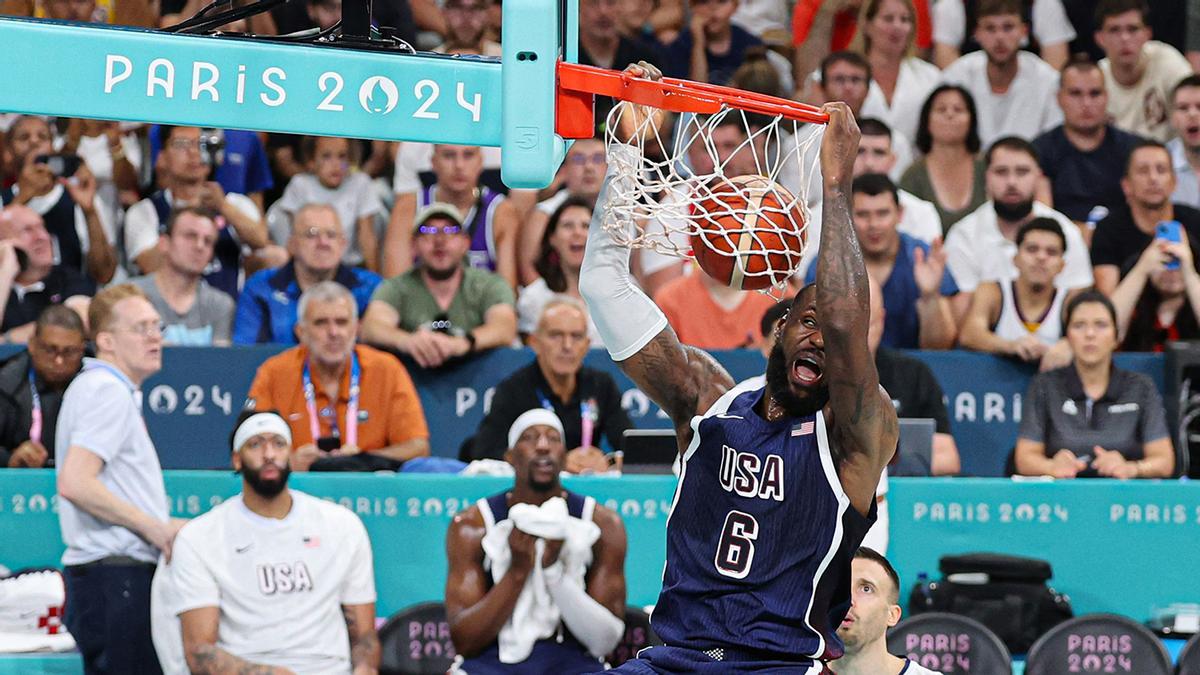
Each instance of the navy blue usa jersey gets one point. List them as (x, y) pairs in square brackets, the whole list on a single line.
[(760, 536)]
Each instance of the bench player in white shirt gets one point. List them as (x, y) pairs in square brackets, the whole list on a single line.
[(874, 608), (273, 577)]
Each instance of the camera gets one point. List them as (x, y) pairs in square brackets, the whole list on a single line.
[(212, 148), (62, 165)]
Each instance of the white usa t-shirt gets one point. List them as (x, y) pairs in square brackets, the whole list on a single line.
[(280, 584)]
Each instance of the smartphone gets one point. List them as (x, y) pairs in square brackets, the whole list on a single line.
[(329, 443), (63, 166), (1168, 230)]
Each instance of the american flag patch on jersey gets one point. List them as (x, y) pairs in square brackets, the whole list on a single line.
[(804, 428)]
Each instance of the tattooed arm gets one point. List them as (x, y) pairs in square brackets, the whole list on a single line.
[(683, 380), (203, 655), (364, 641), (863, 420)]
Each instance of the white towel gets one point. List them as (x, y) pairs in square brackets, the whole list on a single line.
[(535, 616)]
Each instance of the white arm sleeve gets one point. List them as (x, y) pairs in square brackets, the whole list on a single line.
[(590, 622), (626, 318)]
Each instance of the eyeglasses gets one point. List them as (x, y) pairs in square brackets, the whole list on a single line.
[(315, 232), (444, 229), (580, 159)]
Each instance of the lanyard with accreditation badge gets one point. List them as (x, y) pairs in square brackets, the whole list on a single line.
[(35, 425), (310, 401)]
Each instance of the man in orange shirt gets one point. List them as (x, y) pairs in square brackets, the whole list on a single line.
[(350, 407), (708, 315)]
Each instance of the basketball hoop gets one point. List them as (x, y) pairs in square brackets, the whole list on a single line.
[(675, 188)]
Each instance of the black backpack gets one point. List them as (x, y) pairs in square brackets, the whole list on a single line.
[(1008, 594)]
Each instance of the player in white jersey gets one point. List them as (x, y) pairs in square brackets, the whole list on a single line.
[(273, 577), (874, 608)]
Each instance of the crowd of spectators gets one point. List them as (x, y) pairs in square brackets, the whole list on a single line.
[(1014, 153)]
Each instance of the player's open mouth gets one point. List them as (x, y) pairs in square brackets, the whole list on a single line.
[(805, 371)]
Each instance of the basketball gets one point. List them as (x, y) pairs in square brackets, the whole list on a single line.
[(750, 233)]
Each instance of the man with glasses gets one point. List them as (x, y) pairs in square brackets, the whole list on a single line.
[(442, 309), (350, 407), (185, 182), (30, 281), (32, 385), (194, 313), (266, 310), (113, 508)]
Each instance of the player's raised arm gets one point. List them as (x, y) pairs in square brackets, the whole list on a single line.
[(681, 379), (864, 419)]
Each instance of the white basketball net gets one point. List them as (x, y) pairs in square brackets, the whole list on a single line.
[(652, 198)]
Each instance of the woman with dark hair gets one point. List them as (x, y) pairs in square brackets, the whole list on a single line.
[(559, 258), (950, 173), (1091, 419), (1157, 300)]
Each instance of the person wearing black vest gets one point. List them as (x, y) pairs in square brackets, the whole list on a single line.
[(32, 384), (186, 183), (67, 204)]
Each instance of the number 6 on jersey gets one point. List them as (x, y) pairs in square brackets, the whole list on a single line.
[(735, 551)]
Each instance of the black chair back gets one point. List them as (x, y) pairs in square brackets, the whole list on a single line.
[(1189, 658), (416, 641), (951, 644), (1098, 643)]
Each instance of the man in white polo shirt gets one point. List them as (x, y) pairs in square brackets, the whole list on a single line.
[(980, 247), (113, 512), (273, 580)]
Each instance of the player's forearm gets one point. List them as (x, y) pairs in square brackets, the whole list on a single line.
[(208, 659), (364, 640), (476, 627), (842, 291), (936, 321), (590, 621)]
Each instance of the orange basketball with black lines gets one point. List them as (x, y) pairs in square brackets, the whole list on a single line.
[(751, 232)]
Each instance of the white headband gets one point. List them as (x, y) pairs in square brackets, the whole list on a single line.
[(531, 418), (261, 423)]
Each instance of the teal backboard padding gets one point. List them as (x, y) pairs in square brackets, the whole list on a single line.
[(112, 73), (530, 55)]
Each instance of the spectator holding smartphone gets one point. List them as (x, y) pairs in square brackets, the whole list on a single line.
[(1159, 298), (65, 199)]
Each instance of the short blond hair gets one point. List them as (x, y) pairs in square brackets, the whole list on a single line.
[(101, 309)]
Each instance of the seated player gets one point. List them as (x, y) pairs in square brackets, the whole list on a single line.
[(268, 553), (757, 576), (1022, 317), (874, 608), (537, 574)]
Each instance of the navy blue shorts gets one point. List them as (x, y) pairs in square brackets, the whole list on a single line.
[(568, 657)]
